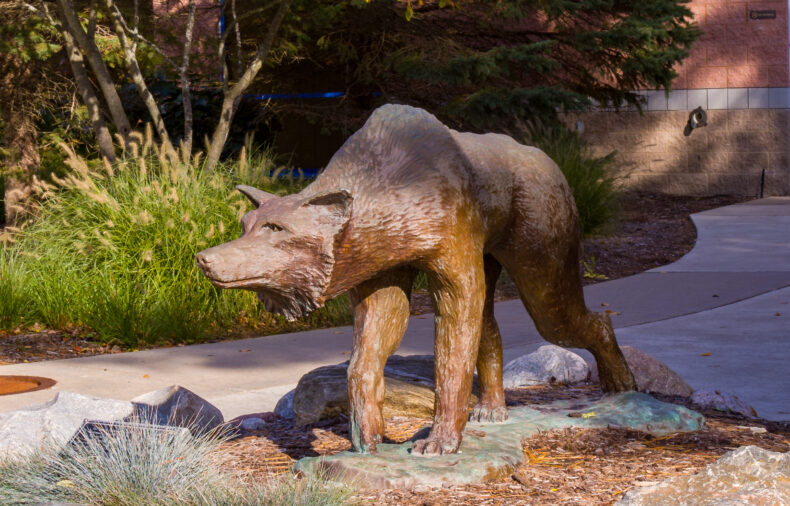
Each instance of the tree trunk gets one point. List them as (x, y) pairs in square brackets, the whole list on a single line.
[(80, 40), (186, 98), (88, 95), (137, 77), (232, 95)]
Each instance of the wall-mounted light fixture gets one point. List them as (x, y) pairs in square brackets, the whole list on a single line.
[(697, 118)]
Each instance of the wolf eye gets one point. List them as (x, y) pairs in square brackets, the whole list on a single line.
[(272, 226)]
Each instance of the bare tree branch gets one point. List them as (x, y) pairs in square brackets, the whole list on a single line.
[(136, 22), (137, 76), (233, 94), (183, 71), (85, 89), (147, 42), (92, 20), (237, 30), (71, 23)]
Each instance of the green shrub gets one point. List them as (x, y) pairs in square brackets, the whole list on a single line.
[(112, 248), (589, 176), (138, 465)]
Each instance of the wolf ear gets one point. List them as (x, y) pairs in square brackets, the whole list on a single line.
[(255, 195), (338, 202)]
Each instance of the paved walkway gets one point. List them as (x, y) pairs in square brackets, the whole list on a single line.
[(730, 297)]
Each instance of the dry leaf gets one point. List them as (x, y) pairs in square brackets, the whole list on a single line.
[(704, 354)]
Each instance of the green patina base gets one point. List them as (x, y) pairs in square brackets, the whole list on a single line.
[(489, 451)]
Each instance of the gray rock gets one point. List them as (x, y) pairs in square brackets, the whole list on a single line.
[(651, 375), (722, 401), (548, 364), (253, 423), (408, 391), (51, 425), (285, 406), (748, 475), (176, 405)]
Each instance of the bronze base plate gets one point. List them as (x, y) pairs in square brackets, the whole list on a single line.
[(10, 385)]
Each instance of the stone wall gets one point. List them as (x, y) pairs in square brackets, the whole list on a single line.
[(738, 72), (725, 157)]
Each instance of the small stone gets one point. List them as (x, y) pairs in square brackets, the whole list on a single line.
[(756, 430), (176, 405), (253, 423), (547, 365), (651, 375), (722, 401), (747, 475)]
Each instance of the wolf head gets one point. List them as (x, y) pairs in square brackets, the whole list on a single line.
[(286, 251)]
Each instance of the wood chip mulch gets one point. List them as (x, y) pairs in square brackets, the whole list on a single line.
[(564, 466), (17, 348)]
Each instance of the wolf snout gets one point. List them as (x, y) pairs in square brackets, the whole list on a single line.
[(205, 259)]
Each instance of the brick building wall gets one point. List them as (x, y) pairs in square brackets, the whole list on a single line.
[(738, 73)]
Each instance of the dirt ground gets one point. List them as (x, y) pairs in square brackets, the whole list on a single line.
[(654, 229), (565, 466)]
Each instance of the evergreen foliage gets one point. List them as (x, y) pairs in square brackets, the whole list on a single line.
[(544, 55), (479, 63)]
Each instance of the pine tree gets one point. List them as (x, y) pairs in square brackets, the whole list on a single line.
[(478, 62), (530, 58)]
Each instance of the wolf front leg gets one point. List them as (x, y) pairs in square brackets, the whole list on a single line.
[(459, 290), (381, 313)]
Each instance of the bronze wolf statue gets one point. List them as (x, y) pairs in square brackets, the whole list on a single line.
[(407, 194)]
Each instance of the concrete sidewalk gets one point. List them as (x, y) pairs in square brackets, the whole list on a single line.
[(727, 297)]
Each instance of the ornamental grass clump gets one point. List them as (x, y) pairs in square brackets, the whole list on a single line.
[(111, 248), (139, 464)]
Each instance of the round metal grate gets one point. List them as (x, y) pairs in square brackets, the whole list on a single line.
[(19, 384)]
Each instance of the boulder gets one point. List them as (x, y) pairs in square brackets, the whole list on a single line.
[(547, 365), (53, 423), (285, 406), (722, 401), (409, 390), (747, 475), (176, 405), (651, 375)]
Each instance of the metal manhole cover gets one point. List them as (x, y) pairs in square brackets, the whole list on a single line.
[(19, 384)]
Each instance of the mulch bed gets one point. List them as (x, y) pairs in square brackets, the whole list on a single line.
[(48, 345), (563, 466)]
